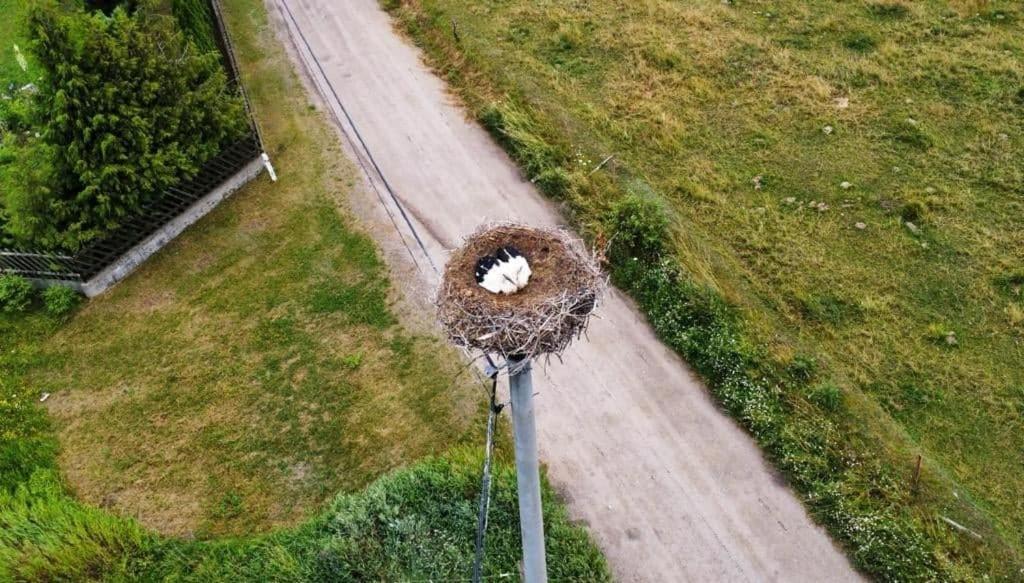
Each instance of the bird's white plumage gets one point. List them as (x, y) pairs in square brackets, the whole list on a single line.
[(521, 271), (495, 282), (507, 273)]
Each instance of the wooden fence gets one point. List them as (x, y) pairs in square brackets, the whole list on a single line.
[(100, 253)]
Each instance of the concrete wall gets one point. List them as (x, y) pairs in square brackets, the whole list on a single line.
[(138, 254)]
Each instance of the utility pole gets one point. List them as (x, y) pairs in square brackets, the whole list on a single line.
[(531, 519), (519, 328)]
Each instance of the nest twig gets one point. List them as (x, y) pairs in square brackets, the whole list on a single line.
[(544, 317)]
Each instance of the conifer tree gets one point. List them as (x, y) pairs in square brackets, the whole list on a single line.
[(129, 108)]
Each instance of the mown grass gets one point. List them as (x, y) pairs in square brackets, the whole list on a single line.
[(237, 382), (255, 368), (417, 523), (791, 144)]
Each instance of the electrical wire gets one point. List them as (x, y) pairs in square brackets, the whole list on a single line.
[(364, 148), (494, 409), (485, 488)]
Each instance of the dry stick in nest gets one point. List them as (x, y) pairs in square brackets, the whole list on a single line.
[(541, 319)]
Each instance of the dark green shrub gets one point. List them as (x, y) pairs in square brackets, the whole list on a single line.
[(15, 293), (913, 211), (195, 19), (5, 238), (26, 182), (491, 118), (60, 300), (802, 368), (123, 121), (553, 181), (416, 524), (826, 395), (16, 113), (639, 225)]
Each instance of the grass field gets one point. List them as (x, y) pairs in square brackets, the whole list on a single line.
[(226, 393), (847, 176)]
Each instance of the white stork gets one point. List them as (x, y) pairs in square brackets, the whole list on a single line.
[(505, 272)]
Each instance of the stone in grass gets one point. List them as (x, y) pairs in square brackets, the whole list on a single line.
[(860, 226), (951, 338), (827, 130), (845, 185), (912, 228)]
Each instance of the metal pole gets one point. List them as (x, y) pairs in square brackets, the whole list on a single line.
[(531, 521)]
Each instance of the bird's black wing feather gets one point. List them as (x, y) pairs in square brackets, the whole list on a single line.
[(483, 265)]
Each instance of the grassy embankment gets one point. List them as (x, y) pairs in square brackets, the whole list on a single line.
[(847, 178), (238, 381)]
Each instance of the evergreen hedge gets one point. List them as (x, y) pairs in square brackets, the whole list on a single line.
[(127, 108)]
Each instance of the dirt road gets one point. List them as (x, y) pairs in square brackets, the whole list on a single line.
[(671, 488)]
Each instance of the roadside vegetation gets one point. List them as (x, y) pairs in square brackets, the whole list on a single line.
[(819, 206), (247, 406), (416, 524)]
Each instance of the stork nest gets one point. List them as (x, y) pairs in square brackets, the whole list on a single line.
[(542, 318)]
